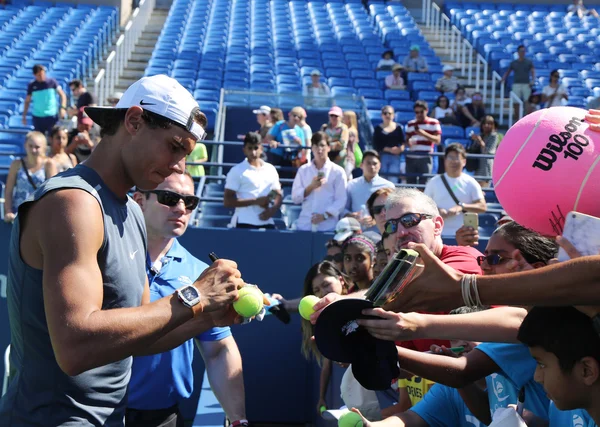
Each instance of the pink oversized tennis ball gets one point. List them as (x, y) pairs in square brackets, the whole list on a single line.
[(547, 166)]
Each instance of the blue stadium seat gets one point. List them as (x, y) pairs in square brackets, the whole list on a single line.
[(452, 132)]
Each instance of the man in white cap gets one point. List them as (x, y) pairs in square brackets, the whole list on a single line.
[(316, 86), (263, 117), (77, 292), (447, 83)]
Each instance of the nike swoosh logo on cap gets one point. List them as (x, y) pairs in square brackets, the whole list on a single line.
[(145, 103)]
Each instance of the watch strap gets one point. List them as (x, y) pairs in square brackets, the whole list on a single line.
[(238, 423)]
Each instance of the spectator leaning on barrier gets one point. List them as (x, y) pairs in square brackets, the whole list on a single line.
[(447, 83), (360, 189), (252, 188), (160, 382), (395, 81), (455, 192), (423, 134), (389, 141), (414, 62), (263, 117), (43, 91), (320, 186)]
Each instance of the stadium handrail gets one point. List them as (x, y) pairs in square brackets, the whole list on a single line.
[(512, 100), (461, 50), (107, 78)]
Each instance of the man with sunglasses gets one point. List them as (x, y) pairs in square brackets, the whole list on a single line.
[(77, 292), (412, 216), (160, 382)]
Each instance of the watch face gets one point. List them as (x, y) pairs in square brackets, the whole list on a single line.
[(189, 293)]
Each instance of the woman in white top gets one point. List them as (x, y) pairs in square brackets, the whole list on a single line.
[(443, 112), (553, 93), (386, 62), (460, 99)]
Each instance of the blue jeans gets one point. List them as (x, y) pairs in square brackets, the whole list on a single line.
[(390, 164)]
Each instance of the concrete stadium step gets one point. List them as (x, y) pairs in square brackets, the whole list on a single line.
[(139, 57), (137, 65)]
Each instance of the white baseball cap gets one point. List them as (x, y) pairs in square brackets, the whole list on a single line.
[(263, 109), (447, 68), (159, 94), (345, 228)]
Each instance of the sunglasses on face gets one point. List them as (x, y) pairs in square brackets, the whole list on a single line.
[(419, 111), (378, 209), (491, 259), (408, 220), (297, 116), (171, 198), (387, 113)]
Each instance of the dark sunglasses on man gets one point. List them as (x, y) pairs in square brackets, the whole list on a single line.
[(171, 198), (407, 220)]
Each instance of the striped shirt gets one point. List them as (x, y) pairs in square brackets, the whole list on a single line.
[(423, 145)]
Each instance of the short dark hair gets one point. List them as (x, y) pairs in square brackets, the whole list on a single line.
[(563, 331), (37, 68), (386, 107), (76, 83), (252, 138), (422, 104), (521, 46), (456, 147), (153, 120), (318, 137), (371, 153), (533, 246)]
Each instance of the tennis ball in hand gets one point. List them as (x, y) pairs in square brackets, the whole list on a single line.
[(249, 302), (350, 419), (306, 306)]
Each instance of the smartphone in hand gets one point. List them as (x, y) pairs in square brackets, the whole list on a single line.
[(471, 219)]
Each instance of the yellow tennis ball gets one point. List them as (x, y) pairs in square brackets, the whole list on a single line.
[(249, 302), (350, 419), (306, 306)]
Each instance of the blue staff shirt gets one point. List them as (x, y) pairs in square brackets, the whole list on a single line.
[(285, 135), (163, 380), (442, 406), (574, 418), (516, 370)]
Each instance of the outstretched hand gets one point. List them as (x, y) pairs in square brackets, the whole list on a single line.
[(435, 288)]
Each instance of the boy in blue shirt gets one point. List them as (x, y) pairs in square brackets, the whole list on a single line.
[(566, 348)]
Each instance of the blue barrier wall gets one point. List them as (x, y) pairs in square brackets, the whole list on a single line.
[(281, 386)]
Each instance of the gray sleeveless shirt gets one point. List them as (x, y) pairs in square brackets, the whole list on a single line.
[(39, 392)]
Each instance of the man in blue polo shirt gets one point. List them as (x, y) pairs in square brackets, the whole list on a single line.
[(160, 382), (43, 91)]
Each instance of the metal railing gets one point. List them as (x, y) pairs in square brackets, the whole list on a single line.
[(512, 101), (461, 52), (108, 77)]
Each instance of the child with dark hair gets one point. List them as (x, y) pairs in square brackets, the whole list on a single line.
[(566, 347), (359, 257), (321, 279)]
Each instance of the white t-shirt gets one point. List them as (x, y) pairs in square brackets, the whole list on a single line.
[(466, 190), (560, 90), (440, 113), (249, 183)]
